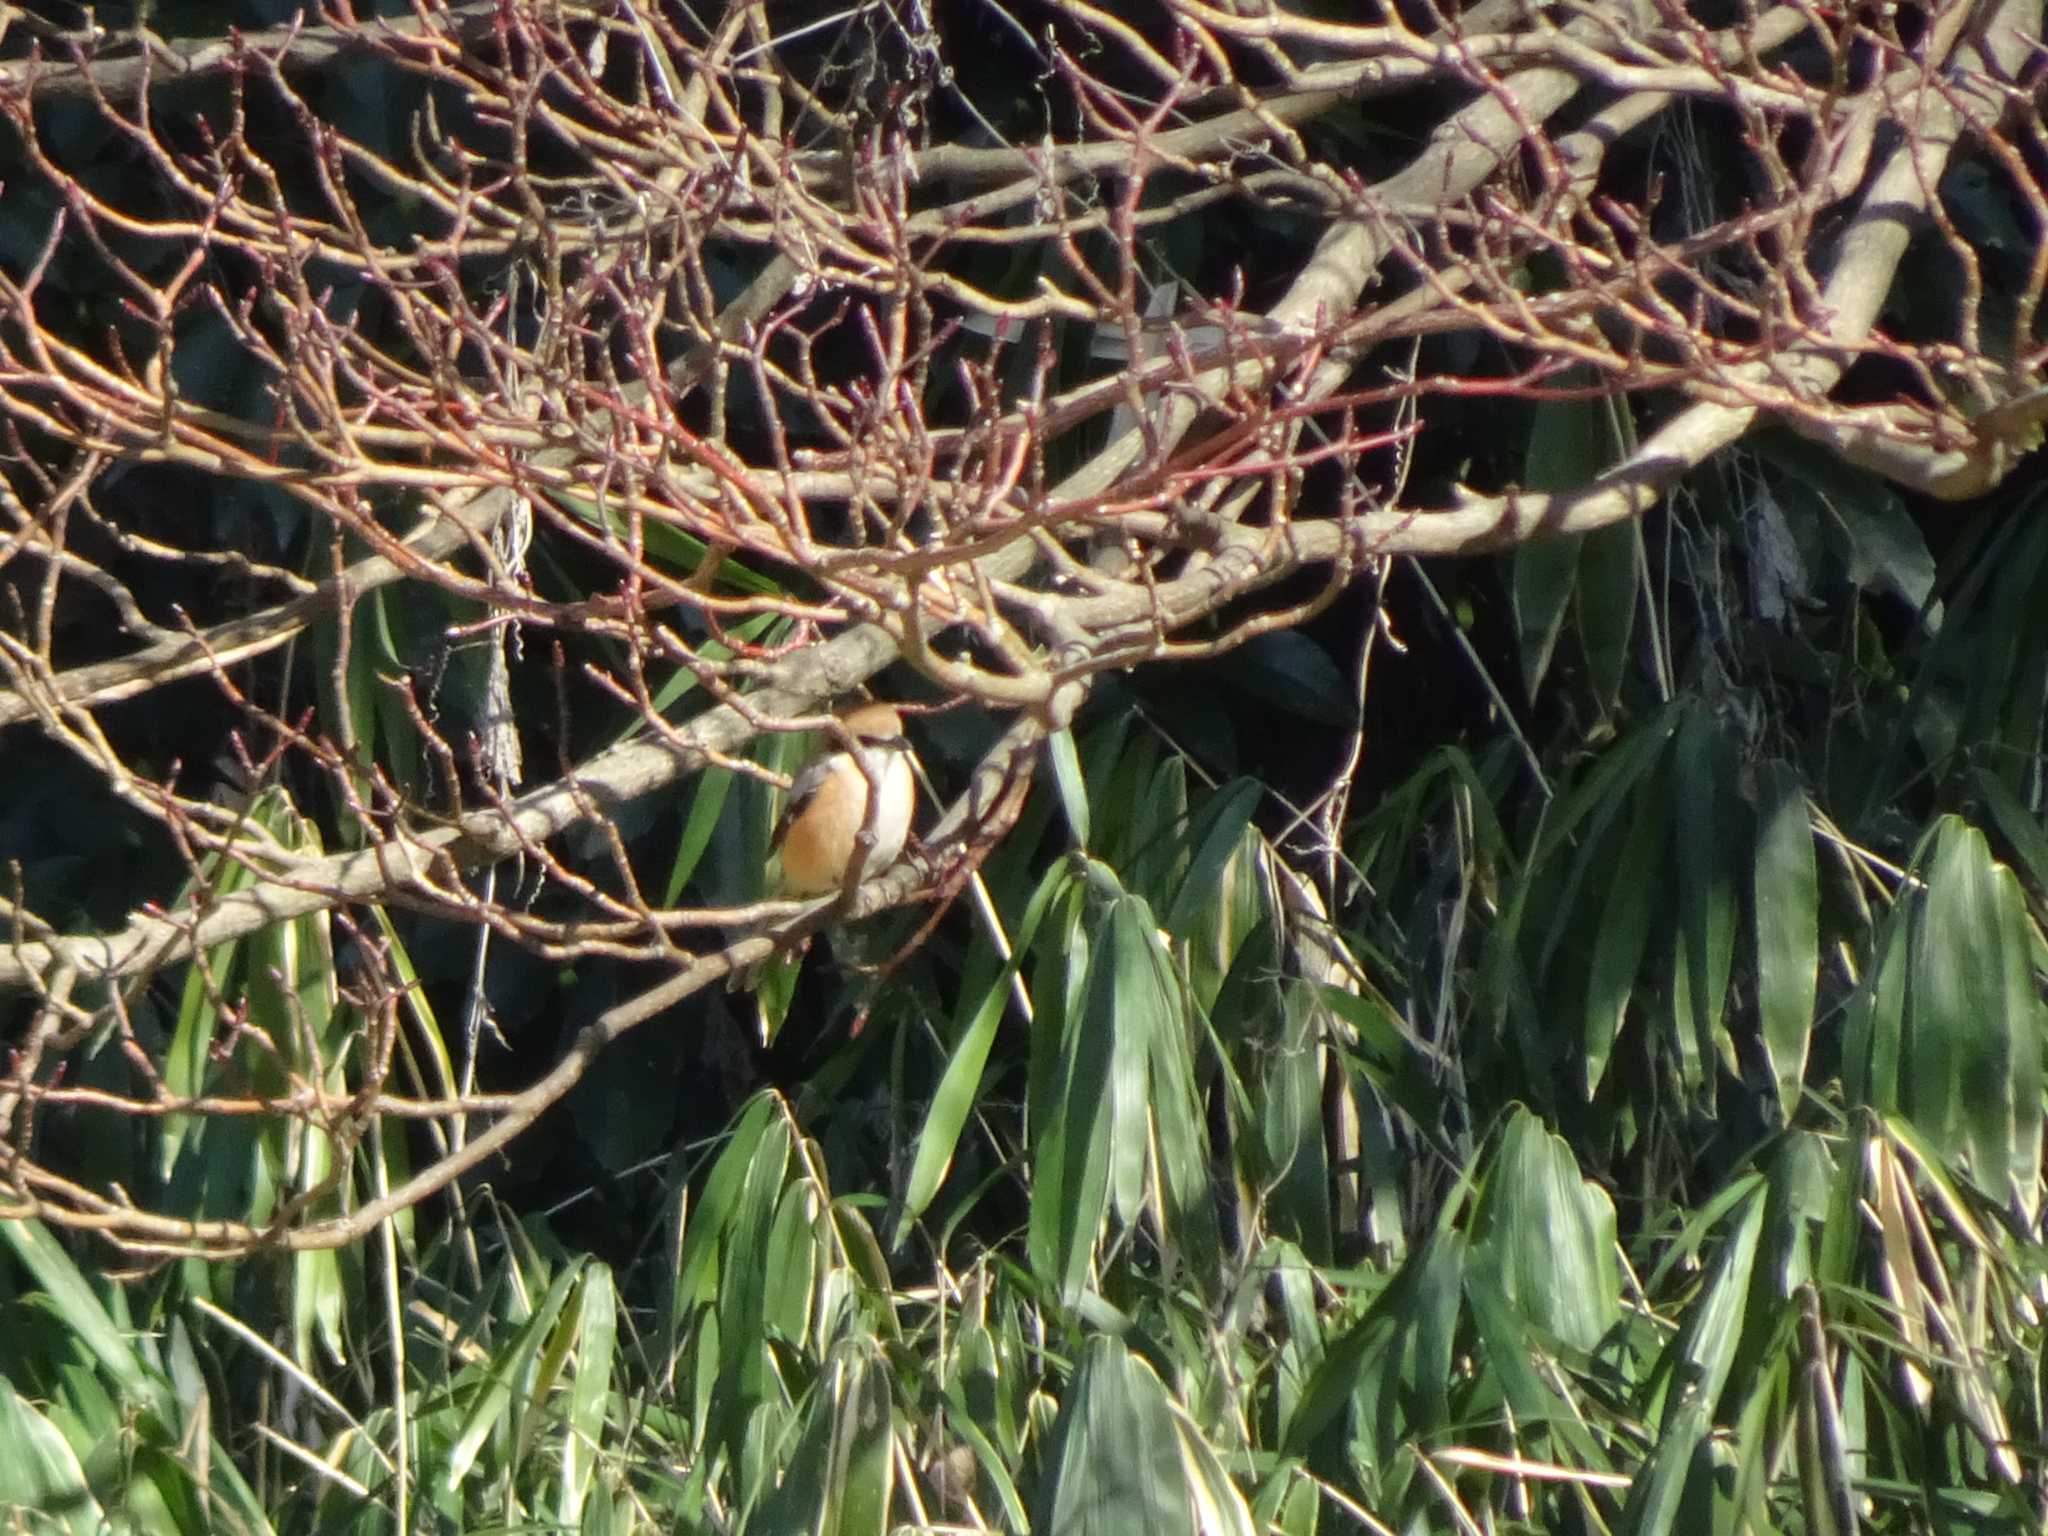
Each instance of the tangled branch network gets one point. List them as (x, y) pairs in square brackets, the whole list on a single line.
[(691, 372)]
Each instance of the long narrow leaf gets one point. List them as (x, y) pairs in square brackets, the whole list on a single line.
[(1787, 909)]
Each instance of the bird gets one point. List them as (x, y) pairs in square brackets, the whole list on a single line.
[(819, 832)]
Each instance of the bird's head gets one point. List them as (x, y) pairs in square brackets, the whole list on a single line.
[(873, 722)]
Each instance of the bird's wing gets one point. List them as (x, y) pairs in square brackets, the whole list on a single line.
[(802, 790)]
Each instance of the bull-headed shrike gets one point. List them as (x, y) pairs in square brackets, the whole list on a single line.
[(819, 833)]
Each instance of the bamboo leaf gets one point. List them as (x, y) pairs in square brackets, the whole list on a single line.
[(1696, 1369), (1114, 1466), (719, 1204), (863, 1439), (1067, 779), (1706, 902), (1569, 444), (707, 803), (498, 1398), (1623, 933), (40, 1474), (1550, 1235), (1959, 1051), (1215, 834), (1787, 912), (1066, 1153), (84, 1315), (596, 1316), (960, 1083), (1543, 575), (1128, 1010), (2024, 1021), (1609, 592)]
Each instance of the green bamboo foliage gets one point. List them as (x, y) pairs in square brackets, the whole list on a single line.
[(262, 1018), (1595, 577), (1948, 1031), (1114, 1108), (1547, 1237), (1123, 1459), (836, 1480), (1786, 904), (1783, 1359), (104, 1425), (1186, 1326)]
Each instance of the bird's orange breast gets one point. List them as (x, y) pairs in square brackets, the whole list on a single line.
[(821, 839)]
